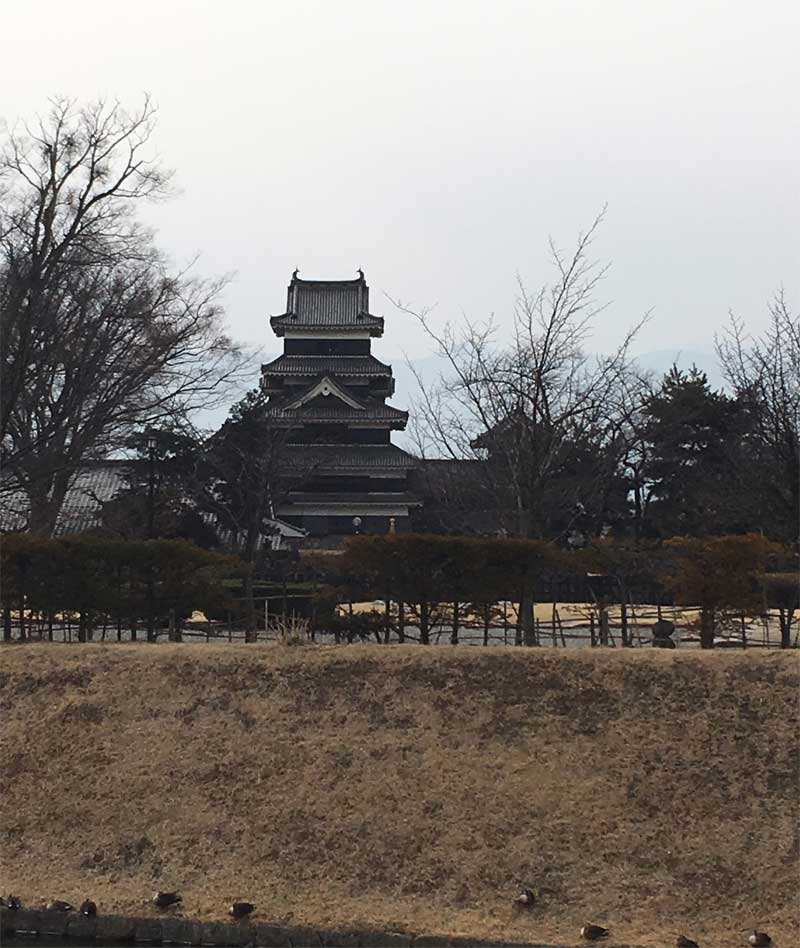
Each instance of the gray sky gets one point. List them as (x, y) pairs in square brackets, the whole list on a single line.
[(437, 145)]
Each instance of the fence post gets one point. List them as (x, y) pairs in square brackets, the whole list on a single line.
[(454, 632)]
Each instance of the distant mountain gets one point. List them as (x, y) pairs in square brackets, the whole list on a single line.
[(658, 361), (429, 367)]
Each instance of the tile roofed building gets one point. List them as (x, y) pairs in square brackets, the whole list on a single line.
[(101, 482), (330, 392), (323, 305), (82, 509)]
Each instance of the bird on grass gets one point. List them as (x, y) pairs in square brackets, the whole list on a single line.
[(241, 909), (88, 907), (683, 942), (59, 905), (165, 900), (594, 932), (12, 903), (759, 939), (525, 899)]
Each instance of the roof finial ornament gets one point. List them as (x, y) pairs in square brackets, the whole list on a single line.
[(296, 271), (360, 274)]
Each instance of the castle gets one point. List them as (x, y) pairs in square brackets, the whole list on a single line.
[(329, 393)]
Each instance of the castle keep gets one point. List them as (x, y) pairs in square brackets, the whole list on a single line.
[(329, 392)]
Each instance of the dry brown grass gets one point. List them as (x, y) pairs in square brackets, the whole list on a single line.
[(652, 792)]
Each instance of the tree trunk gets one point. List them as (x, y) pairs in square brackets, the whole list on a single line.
[(7, 624), (637, 509), (151, 602), (249, 555), (527, 624), (454, 633), (707, 627), (424, 634), (623, 621), (401, 621), (785, 617), (250, 633), (44, 511), (486, 612), (604, 626), (46, 497)]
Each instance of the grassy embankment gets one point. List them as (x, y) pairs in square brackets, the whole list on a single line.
[(409, 788)]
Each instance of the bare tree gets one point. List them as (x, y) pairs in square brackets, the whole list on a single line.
[(244, 473), (100, 335), (538, 410), (765, 375)]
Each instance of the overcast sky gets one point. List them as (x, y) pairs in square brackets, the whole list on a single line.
[(438, 144)]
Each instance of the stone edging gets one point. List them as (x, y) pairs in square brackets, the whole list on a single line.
[(166, 930)]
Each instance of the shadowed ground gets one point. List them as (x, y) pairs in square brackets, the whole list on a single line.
[(409, 788)]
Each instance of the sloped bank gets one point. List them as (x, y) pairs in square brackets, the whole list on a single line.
[(125, 930), (401, 790)]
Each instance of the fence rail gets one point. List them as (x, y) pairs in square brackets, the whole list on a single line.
[(568, 625)]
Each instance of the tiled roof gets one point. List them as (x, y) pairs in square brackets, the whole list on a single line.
[(311, 366), (347, 499), (82, 508), (337, 411), (349, 457), (331, 400), (327, 304), (82, 505)]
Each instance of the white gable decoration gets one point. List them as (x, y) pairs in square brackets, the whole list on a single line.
[(326, 386)]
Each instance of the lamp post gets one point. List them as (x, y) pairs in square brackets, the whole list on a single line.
[(151, 505), (357, 525)]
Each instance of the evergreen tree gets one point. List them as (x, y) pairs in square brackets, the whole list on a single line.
[(696, 452)]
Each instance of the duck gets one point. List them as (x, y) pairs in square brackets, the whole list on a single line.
[(164, 900), (241, 909), (59, 905), (683, 942), (88, 907), (759, 939), (594, 932), (525, 899)]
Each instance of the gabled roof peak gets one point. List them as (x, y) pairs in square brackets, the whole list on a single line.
[(326, 387)]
